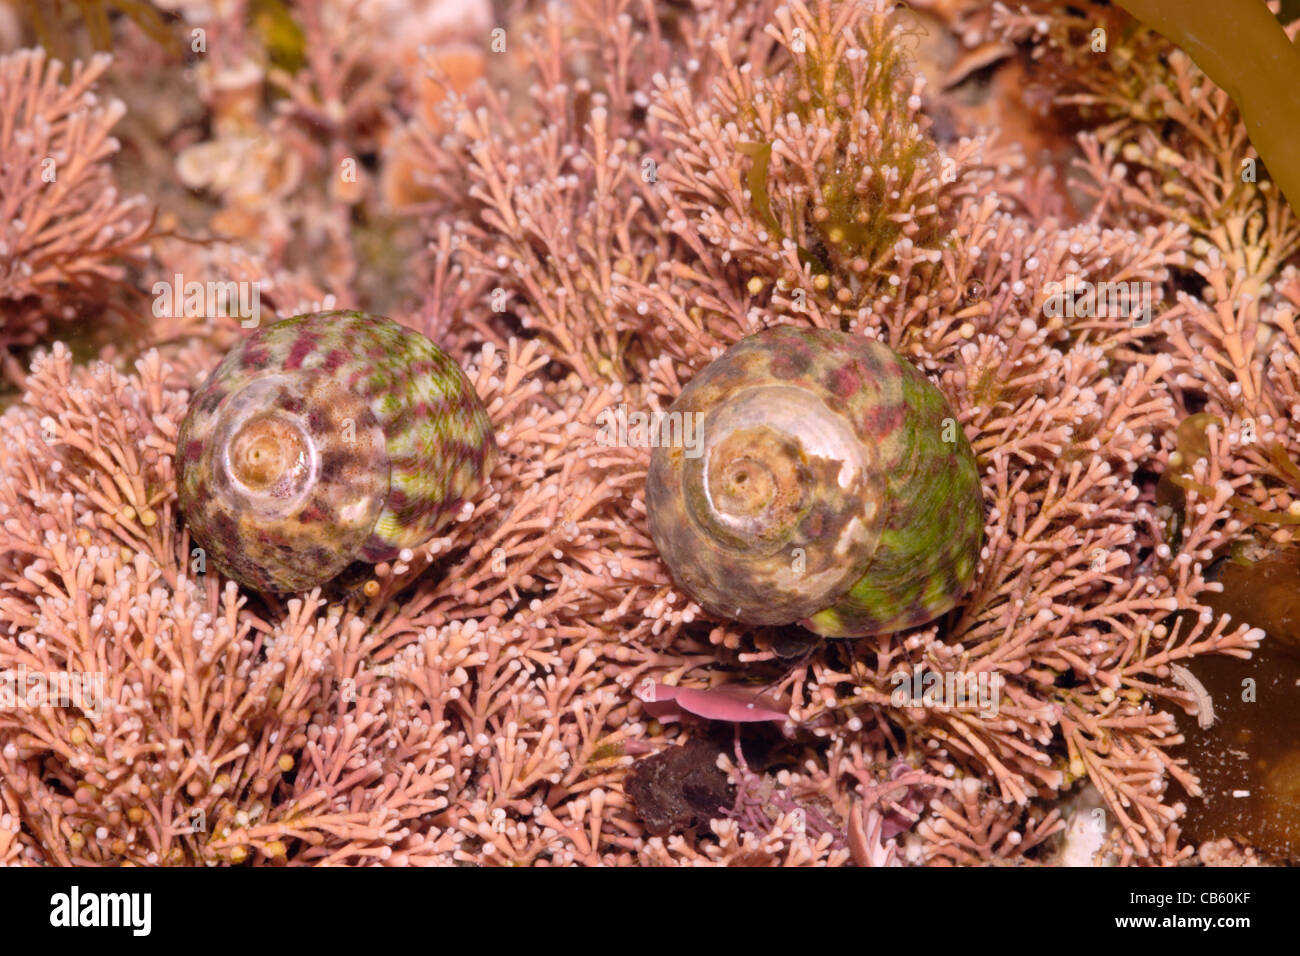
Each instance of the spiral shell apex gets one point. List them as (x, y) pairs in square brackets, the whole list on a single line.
[(325, 439), (833, 487)]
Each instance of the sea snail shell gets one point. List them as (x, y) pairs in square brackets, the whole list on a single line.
[(832, 487), (325, 439)]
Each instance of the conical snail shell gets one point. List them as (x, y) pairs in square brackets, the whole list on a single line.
[(834, 488), (325, 439)]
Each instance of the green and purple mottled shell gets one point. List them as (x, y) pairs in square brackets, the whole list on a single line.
[(325, 439), (833, 488)]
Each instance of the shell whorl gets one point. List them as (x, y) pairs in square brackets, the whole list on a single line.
[(325, 439), (825, 492)]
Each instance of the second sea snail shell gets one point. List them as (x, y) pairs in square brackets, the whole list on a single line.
[(834, 488)]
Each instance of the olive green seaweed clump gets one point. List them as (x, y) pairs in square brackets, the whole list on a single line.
[(846, 198), (852, 217)]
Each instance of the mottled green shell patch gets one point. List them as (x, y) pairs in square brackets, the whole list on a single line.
[(930, 547)]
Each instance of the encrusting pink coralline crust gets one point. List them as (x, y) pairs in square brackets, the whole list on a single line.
[(629, 191)]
